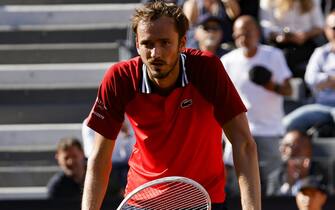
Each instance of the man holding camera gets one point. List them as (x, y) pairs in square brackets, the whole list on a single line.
[(261, 76)]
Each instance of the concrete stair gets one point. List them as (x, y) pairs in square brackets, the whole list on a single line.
[(27, 153), (53, 55), (58, 53)]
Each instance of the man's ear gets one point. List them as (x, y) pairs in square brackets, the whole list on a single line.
[(182, 43), (137, 45)]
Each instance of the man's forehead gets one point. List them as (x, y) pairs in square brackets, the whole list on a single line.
[(151, 22)]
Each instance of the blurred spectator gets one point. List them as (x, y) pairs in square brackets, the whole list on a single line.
[(320, 76), (311, 194), (225, 10), (295, 26), (297, 163), (71, 159), (122, 151), (261, 77), (209, 34), (177, 2)]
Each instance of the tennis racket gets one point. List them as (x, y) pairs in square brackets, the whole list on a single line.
[(168, 193)]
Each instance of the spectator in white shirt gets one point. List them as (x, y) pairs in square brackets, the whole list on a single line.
[(294, 26)]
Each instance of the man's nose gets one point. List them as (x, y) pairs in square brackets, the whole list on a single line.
[(69, 162), (155, 52)]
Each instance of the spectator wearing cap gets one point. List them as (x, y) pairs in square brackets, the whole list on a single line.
[(209, 35), (261, 76), (226, 10), (297, 164), (311, 193)]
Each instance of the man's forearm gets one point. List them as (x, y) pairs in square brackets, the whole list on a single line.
[(245, 161), (247, 171), (96, 182)]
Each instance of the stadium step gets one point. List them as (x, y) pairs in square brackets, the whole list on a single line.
[(32, 157), (24, 193), (58, 53), (27, 138), (16, 17), (51, 76), (46, 34), (24, 176), (46, 105)]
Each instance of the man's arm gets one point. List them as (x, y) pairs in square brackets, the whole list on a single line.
[(245, 161), (97, 175), (284, 89)]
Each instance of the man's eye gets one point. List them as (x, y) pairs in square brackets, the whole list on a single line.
[(166, 43), (147, 45)]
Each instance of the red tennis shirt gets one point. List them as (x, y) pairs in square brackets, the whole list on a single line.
[(176, 135)]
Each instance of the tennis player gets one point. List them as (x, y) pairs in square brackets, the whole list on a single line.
[(178, 101)]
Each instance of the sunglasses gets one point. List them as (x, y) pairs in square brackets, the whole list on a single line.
[(211, 28)]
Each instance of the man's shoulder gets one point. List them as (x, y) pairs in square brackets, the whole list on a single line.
[(323, 50), (232, 55), (124, 72), (196, 59), (57, 179), (197, 54)]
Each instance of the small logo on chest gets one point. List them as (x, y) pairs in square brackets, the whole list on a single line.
[(186, 103)]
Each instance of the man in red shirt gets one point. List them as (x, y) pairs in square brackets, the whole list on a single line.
[(177, 101)]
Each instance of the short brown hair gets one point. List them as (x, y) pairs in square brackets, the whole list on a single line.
[(68, 142), (154, 10)]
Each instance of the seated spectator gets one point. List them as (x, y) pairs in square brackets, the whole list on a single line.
[(311, 193), (209, 34), (122, 150), (225, 10), (177, 2), (71, 159), (297, 164), (261, 77), (294, 26), (320, 77)]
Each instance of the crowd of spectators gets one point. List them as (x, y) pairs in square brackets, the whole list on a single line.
[(263, 45)]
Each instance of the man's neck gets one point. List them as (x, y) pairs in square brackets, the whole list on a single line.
[(250, 52), (163, 87), (166, 85)]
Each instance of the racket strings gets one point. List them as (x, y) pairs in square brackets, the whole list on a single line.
[(182, 202), (169, 196)]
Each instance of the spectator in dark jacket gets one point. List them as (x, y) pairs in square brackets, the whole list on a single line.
[(69, 181), (296, 154)]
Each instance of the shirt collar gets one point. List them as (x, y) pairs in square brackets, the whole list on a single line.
[(145, 84)]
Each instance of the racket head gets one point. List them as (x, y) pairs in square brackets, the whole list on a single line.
[(168, 193)]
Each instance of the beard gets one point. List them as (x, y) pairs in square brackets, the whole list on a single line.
[(157, 73)]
